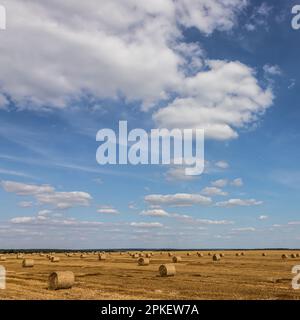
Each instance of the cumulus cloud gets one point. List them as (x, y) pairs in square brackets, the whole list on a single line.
[(220, 100), (120, 46), (238, 202), (219, 183), (41, 220), (108, 210), (272, 69), (23, 189), (246, 229), (154, 213), (146, 225), (214, 191), (46, 194), (238, 182), (263, 217), (65, 200), (222, 164), (25, 204), (178, 199)]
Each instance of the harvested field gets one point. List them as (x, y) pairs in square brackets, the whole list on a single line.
[(251, 276)]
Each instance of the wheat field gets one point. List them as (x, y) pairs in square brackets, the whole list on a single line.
[(248, 276)]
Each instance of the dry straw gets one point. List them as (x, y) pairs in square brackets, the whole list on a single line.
[(176, 259), (54, 259), (237, 254), (2, 258), (61, 280), (102, 256), (143, 261), (167, 270), (284, 256), (222, 255), (293, 255), (216, 257), (200, 254), (28, 263)]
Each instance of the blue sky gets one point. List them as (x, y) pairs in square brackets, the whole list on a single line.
[(67, 71)]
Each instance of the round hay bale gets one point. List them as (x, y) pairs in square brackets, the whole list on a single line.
[(293, 255), (55, 259), (61, 280), (209, 254), (167, 270), (242, 253), (141, 255), (237, 254), (82, 256), (102, 256), (170, 254), (143, 261), (284, 256), (42, 255), (148, 255), (28, 263), (264, 254), (20, 256), (188, 254), (216, 257), (200, 255), (135, 256), (176, 259), (222, 255), (2, 258), (298, 255)]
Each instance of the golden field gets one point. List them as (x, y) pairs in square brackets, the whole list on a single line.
[(251, 276)]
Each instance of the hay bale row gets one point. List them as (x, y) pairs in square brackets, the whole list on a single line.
[(216, 257), (61, 280), (28, 263), (176, 259), (167, 270), (143, 261)]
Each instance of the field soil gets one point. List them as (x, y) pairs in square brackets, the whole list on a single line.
[(251, 276)]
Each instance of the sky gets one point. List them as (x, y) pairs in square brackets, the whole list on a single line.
[(70, 68)]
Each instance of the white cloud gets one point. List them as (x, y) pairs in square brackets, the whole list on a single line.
[(219, 183), (120, 46), (238, 202), (108, 210), (220, 100), (20, 220), (263, 217), (222, 164), (238, 182), (178, 199), (178, 174), (246, 229), (214, 222), (155, 213), (272, 69), (65, 200), (25, 204), (23, 189), (146, 225), (214, 191)]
